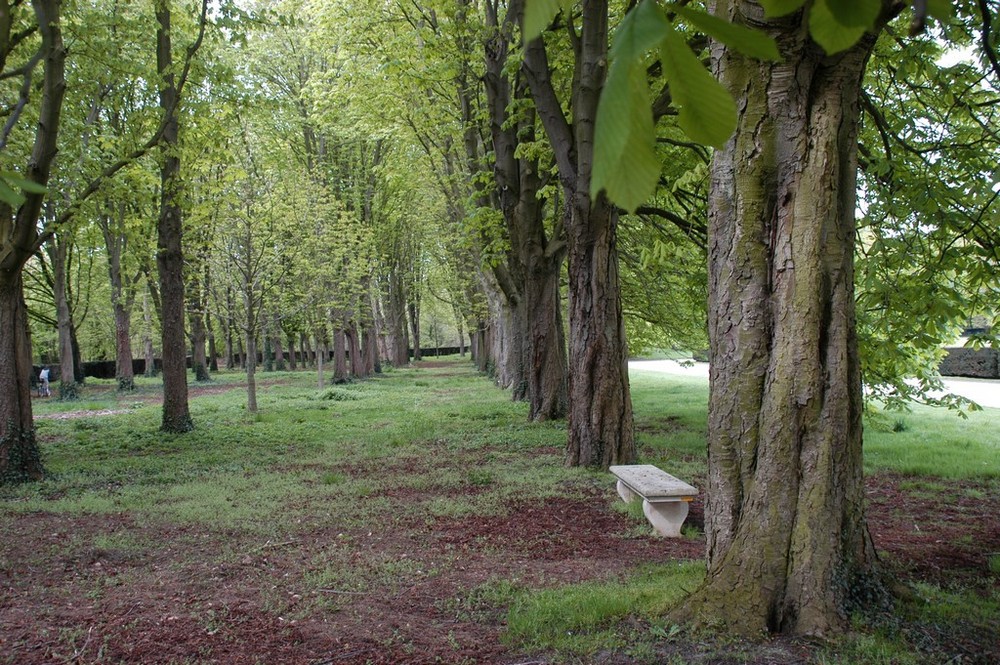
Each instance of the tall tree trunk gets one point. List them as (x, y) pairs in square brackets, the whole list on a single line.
[(229, 326), (58, 250), (251, 366), (123, 348), (546, 361), (601, 430), (213, 351), (79, 371), (369, 349), (196, 321), (414, 311), (279, 347), (534, 261), (399, 341), (239, 355), (291, 351), (320, 362), (788, 549), (147, 338), (268, 353), (112, 223), (354, 351), (308, 354), (19, 455), (339, 355), (169, 256), (478, 343), (20, 458), (600, 417)]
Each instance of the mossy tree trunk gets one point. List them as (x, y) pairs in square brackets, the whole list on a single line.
[(20, 458), (339, 355), (535, 257), (169, 255), (19, 454), (601, 429), (788, 548), (58, 250)]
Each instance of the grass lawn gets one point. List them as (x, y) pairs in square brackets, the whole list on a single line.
[(417, 517)]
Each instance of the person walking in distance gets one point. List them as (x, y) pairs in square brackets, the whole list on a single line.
[(43, 383)]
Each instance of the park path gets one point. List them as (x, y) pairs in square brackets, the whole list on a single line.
[(985, 392)]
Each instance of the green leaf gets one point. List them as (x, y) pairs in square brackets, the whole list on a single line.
[(537, 16), (828, 32), (942, 10), (747, 41), (855, 13), (707, 110), (29, 186), (625, 162), (10, 196), (641, 30), (774, 8)]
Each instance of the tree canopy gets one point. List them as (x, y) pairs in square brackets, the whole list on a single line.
[(555, 184)]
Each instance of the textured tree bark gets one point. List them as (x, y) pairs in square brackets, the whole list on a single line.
[(169, 256), (480, 351), (292, 361), (414, 312), (213, 351), (788, 549), (147, 338), (600, 416), (601, 431), (339, 356), (251, 343), (534, 261), (396, 321), (58, 249), (354, 351), (20, 458), (369, 349), (279, 347), (197, 307), (112, 223), (123, 348), (545, 353)]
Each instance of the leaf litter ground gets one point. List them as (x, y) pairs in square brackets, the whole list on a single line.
[(157, 592)]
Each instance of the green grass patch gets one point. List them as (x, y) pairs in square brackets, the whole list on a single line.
[(935, 442), (421, 447), (584, 618)]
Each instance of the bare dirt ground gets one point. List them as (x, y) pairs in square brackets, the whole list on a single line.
[(198, 595), (184, 601)]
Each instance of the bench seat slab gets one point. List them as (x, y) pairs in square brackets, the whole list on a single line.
[(652, 483)]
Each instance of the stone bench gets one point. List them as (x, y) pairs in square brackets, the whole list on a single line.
[(665, 499)]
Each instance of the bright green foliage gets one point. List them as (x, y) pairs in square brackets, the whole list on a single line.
[(707, 112), (11, 183), (628, 167), (927, 252), (539, 13), (836, 27), (625, 164), (750, 42), (775, 8)]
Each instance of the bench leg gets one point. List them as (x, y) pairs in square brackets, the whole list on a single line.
[(627, 495), (666, 516)]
